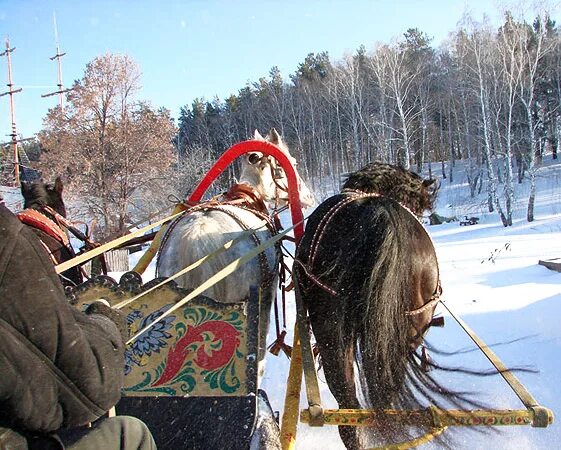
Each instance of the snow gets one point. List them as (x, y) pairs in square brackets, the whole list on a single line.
[(11, 197)]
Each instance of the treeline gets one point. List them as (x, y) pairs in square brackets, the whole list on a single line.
[(488, 96)]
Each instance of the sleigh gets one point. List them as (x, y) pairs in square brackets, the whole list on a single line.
[(194, 371), (191, 372), (466, 221)]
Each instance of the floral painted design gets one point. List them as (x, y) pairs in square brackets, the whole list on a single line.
[(204, 348), (151, 341)]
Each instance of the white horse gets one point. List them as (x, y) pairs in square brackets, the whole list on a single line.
[(208, 228)]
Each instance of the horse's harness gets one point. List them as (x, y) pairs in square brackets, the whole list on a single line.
[(245, 197), (39, 220), (55, 225), (351, 196)]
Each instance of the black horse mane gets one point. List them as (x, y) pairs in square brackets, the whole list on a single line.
[(403, 186), (38, 194)]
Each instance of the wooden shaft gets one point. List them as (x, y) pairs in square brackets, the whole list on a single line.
[(429, 417)]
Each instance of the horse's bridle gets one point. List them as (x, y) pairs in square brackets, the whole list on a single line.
[(433, 301), (276, 175)]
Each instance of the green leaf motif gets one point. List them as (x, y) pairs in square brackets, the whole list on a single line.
[(142, 386), (186, 379), (224, 379), (180, 329)]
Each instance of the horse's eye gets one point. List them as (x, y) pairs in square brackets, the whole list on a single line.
[(253, 158)]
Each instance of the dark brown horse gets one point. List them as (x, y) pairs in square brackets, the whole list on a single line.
[(42, 203), (368, 275)]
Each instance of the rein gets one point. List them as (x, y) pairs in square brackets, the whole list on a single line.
[(226, 271), (69, 225), (112, 244)]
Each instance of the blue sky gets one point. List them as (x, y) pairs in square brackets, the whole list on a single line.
[(195, 48)]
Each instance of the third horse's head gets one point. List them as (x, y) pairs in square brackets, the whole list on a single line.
[(38, 194), (267, 176)]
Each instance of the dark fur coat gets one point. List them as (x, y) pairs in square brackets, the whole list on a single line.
[(59, 367)]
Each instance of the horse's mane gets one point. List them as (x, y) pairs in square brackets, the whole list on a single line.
[(39, 194), (403, 186), (35, 194)]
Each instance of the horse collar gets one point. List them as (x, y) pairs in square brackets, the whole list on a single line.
[(37, 219), (247, 195)]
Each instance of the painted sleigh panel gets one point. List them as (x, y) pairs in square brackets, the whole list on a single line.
[(205, 348)]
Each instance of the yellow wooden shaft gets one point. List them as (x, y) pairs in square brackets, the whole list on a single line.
[(190, 267), (82, 258), (429, 417), (289, 421), (149, 254)]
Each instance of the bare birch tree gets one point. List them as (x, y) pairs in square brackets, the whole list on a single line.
[(480, 43), (108, 145), (534, 47)]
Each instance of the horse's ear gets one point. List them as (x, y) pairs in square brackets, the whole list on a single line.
[(59, 186), (25, 188), (257, 136), (274, 137)]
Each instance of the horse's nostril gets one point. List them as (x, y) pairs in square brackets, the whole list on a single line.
[(253, 158)]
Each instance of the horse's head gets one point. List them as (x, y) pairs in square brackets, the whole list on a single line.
[(38, 194), (399, 184), (265, 174)]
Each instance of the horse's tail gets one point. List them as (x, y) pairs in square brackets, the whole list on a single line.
[(390, 373), (380, 324)]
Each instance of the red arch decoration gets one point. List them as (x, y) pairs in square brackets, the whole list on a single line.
[(269, 149)]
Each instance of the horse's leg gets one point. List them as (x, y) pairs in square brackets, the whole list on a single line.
[(337, 354)]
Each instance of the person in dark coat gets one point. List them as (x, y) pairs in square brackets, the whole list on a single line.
[(60, 369)]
